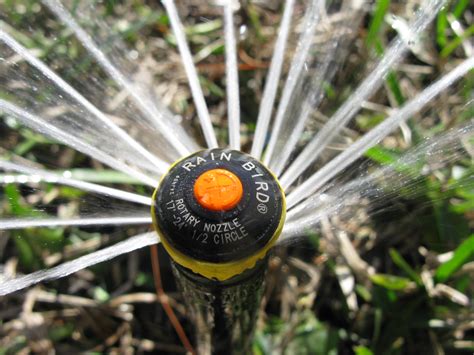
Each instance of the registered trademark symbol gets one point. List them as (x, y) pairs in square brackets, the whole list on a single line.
[(262, 208)]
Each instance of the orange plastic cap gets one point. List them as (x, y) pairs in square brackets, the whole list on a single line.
[(218, 190)]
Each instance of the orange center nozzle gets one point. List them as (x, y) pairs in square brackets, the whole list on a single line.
[(218, 190)]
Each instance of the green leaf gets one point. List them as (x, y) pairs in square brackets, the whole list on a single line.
[(14, 200), (314, 238), (51, 239), (362, 350), (143, 279), (390, 282), (463, 191), (366, 122), (441, 26), (204, 28), (17, 206), (260, 344), (25, 252), (255, 21), (450, 225), (462, 255), (313, 337), (215, 89), (452, 45), (70, 192), (382, 155), (463, 207), (363, 292), (377, 21), (58, 333), (24, 147), (101, 295), (460, 8), (274, 325), (329, 90), (402, 264), (394, 87)]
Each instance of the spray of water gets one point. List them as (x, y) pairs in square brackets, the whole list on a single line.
[(37, 175), (444, 148), (191, 73), (373, 81), (160, 117), (305, 214), (83, 262), (232, 87), (297, 67), (305, 100), (21, 223), (356, 150), (111, 128), (381, 185), (44, 127), (273, 77)]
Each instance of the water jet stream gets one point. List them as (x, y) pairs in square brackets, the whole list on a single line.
[(20, 223), (292, 128), (232, 87), (296, 69), (191, 73), (381, 184), (155, 163), (42, 126), (272, 79), (70, 267), (38, 175), (351, 106), (161, 119), (358, 148), (278, 160)]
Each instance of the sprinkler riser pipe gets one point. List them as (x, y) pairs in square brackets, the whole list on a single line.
[(224, 313)]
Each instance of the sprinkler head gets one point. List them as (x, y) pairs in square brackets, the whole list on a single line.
[(218, 212)]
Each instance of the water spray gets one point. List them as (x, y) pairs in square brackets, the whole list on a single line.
[(218, 213)]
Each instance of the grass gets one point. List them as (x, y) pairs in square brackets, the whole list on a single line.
[(412, 285)]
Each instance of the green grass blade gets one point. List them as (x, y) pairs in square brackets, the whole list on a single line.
[(402, 264), (390, 282), (460, 8), (455, 43), (462, 255), (377, 21), (441, 27)]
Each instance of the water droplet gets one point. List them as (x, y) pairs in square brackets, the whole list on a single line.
[(133, 55)]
